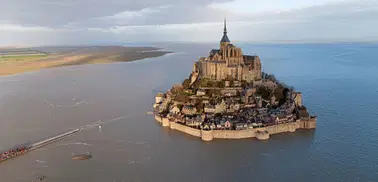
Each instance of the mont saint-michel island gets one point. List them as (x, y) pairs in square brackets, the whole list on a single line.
[(227, 96)]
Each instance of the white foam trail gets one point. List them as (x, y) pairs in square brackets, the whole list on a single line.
[(140, 143), (40, 166), (27, 130), (119, 150), (116, 119), (73, 105), (66, 106), (100, 122), (344, 54), (123, 141), (40, 161), (34, 129)]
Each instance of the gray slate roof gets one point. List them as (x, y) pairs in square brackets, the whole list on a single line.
[(225, 38)]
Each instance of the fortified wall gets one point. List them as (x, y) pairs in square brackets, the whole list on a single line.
[(259, 133)]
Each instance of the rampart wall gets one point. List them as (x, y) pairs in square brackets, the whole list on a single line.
[(259, 133)]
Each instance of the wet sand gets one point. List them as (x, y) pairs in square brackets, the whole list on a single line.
[(68, 56)]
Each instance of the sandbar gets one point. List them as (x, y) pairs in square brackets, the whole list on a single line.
[(20, 60)]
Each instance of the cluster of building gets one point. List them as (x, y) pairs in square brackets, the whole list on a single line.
[(235, 108), (12, 153), (236, 104)]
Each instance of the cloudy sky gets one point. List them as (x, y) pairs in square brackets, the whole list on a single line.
[(62, 22)]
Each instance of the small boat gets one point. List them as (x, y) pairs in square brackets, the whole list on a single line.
[(41, 178)]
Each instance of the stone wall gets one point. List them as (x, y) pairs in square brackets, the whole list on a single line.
[(308, 123), (185, 129), (282, 128), (234, 134), (259, 133)]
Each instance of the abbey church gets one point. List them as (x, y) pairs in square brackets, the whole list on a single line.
[(228, 63)]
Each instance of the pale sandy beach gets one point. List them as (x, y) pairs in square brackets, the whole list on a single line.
[(19, 60)]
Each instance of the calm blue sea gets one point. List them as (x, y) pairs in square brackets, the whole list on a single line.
[(339, 83)]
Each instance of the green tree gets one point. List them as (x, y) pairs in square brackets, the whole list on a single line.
[(203, 83), (221, 84), (264, 92)]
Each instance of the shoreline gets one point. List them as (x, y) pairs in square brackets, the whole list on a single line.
[(77, 56), (262, 133)]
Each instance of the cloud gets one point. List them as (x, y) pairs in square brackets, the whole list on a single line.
[(57, 13), (95, 21)]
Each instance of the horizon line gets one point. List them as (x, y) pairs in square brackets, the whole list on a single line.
[(190, 42)]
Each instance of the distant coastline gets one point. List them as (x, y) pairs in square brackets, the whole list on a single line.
[(20, 60)]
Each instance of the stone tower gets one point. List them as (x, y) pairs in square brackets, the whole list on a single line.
[(224, 41)]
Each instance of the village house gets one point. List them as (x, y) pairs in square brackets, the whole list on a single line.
[(280, 119), (228, 125), (201, 92), (205, 100), (175, 110), (221, 107), (194, 122), (237, 83), (241, 126), (206, 125), (209, 108), (189, 110), (227, 83), (159, 98), (258, 101), (229, 92), (250, 92)]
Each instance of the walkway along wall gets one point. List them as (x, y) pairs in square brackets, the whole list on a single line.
[(259, 133)]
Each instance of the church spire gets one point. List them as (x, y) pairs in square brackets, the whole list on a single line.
[(225, 37), (225, 27)]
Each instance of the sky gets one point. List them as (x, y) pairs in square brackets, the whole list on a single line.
[(83, 22)]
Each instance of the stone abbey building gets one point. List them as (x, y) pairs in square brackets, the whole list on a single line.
[(228, 63)]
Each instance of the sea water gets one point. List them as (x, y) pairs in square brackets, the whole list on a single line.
[(339, 83)]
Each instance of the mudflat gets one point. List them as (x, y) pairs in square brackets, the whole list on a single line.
[(19, 60)]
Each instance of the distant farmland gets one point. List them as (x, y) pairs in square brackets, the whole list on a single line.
[(19, 60), (20, 52)]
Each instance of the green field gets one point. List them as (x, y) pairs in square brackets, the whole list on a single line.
[(21, 58)]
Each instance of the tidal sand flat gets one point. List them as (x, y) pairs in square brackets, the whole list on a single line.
[(19, 60)]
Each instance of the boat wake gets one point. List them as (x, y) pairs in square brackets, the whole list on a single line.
[(40, 161), (74, 143), (28, 130), (78, 103), (140, 143), (344, 54)]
